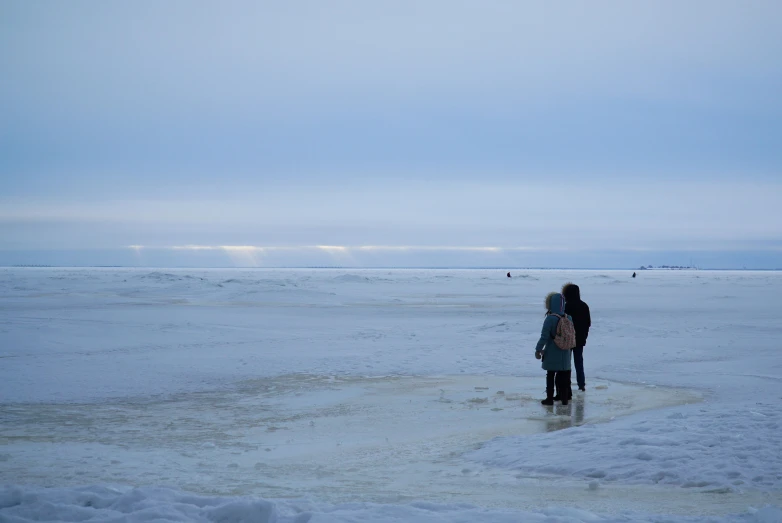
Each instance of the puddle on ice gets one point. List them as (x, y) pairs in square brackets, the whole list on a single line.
[(390, 439)]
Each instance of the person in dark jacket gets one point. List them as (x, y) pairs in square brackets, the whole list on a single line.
[(582, 321)]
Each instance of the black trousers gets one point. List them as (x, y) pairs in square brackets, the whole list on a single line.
[(578, 359), (559, 379)]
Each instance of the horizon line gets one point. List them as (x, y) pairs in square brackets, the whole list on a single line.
[(390, 267)]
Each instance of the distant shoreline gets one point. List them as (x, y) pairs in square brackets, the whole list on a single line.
[(444, 268)]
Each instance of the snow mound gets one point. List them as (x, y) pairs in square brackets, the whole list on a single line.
[(357, 278), (158, 276), (694, 447), (350, 278), (98, 503), (163, 505)]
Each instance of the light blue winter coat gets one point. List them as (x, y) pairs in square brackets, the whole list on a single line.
[(554, 358)]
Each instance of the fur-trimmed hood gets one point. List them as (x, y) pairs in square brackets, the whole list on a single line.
[(555, 303)]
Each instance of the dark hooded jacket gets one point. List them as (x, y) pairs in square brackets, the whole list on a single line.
[(579, 311)]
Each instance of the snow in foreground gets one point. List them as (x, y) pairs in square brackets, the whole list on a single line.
[(383, 395), (109, 504)]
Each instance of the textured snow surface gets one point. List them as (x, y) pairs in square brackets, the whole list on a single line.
[(383, 395), (107, 504), (703, 447)]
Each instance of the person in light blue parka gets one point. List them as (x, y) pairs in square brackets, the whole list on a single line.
[(556, 361)]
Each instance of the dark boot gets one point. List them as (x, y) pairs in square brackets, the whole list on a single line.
[(564, 390), (549, 398), (563, 387), (550, 382)]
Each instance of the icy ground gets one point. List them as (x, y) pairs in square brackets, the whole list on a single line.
[(376, 395)]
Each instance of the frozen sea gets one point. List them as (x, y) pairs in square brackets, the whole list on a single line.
[(307, 395)]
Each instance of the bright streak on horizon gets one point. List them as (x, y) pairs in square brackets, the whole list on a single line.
[(347, 249), (428, 248), (332, 248), (241, 248), (344, 249), (329, 248)]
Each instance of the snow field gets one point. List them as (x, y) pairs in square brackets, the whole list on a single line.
[(130, 380)]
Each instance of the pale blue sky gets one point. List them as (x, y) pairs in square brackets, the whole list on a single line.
[(578, 134)]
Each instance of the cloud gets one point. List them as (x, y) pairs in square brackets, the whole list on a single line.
[(357, 249), (237, 51), (553, 212), (279, 91), (390, 128)]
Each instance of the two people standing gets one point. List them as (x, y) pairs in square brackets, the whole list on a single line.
[(556, 361)]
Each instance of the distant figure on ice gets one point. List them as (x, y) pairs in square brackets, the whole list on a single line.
[(508, 275), (582, 320), (556, 361), (633, 275)]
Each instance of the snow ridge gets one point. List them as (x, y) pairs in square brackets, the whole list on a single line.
[(695, 446)]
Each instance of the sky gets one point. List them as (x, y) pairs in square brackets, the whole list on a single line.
[(350, 133)]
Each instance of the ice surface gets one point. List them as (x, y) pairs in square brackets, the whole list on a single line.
[(326, 391), (333, 438)]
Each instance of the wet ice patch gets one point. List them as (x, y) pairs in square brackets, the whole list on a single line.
[(337, 438)]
